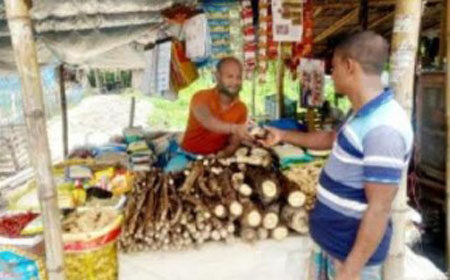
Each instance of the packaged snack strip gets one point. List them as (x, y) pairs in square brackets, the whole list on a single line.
[(222, 54), (247, 20), (220, 35), (250, 47), (221, 42), (215, 8), (218, 22), (247, 12), (220, 29), (250, 56)]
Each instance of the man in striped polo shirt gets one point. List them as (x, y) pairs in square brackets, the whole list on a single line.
[(350, 222)]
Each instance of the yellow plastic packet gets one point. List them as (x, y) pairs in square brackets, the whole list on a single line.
[(122, 183), (34, 227), (104, 175)]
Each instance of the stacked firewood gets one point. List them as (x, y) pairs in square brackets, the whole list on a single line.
[(214, 199), (306, 176)]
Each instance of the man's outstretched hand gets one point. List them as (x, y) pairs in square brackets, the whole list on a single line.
[(242, 132), (273, 137)]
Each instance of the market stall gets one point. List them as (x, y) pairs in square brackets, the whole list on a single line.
[(117, 188), (116, 196)]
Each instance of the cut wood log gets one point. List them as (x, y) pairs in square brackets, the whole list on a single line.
[(251, 216), (270, 220), (280, 233), (295, 218), (248, 234), (262, 233)]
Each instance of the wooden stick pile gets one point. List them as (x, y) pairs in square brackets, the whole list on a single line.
[(213, 199)]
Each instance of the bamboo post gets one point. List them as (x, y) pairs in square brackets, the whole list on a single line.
[(62, 91), (24, 49), (98, 81), (447, 100), (132, 110), (403, 60), (254, 93), (280, 83)]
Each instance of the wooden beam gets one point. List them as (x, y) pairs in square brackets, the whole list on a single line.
[(375, 23), (364, 14), (405, 41), (280, 83), (338, 4), (24, 49), (447, 107), (443, 34), (318, 11), (337, 26), (381, 20)]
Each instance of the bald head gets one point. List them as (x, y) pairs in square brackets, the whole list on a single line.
[(227, 60), (368, 48)]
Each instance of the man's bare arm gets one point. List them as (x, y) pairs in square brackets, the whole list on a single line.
[(229, 150), (320, 140), (207, 119), (371, 230)]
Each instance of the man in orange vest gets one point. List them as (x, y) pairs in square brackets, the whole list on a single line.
[(217, 118)]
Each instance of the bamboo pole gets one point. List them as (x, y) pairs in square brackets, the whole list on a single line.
[(403, 60), (447, 100), (280, 83), (427, 12), (62, 91), (254, 93), (24, 49), (132, 111), (98, 80)]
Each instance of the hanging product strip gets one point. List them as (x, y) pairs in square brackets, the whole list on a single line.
[(250, 46), (218, 14), (303, 48)]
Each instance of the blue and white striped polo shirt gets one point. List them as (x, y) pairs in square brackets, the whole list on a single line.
[(374, 145)]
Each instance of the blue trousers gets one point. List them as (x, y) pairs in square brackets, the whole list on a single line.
[(178, 159)]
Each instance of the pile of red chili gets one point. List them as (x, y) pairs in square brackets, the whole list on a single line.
[(12, 225)]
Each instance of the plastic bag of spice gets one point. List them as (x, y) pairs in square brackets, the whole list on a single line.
[(90, 250)]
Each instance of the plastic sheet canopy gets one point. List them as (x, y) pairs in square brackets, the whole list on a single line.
[(91, 33)]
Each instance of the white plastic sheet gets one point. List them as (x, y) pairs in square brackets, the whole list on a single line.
[(264, 260)]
